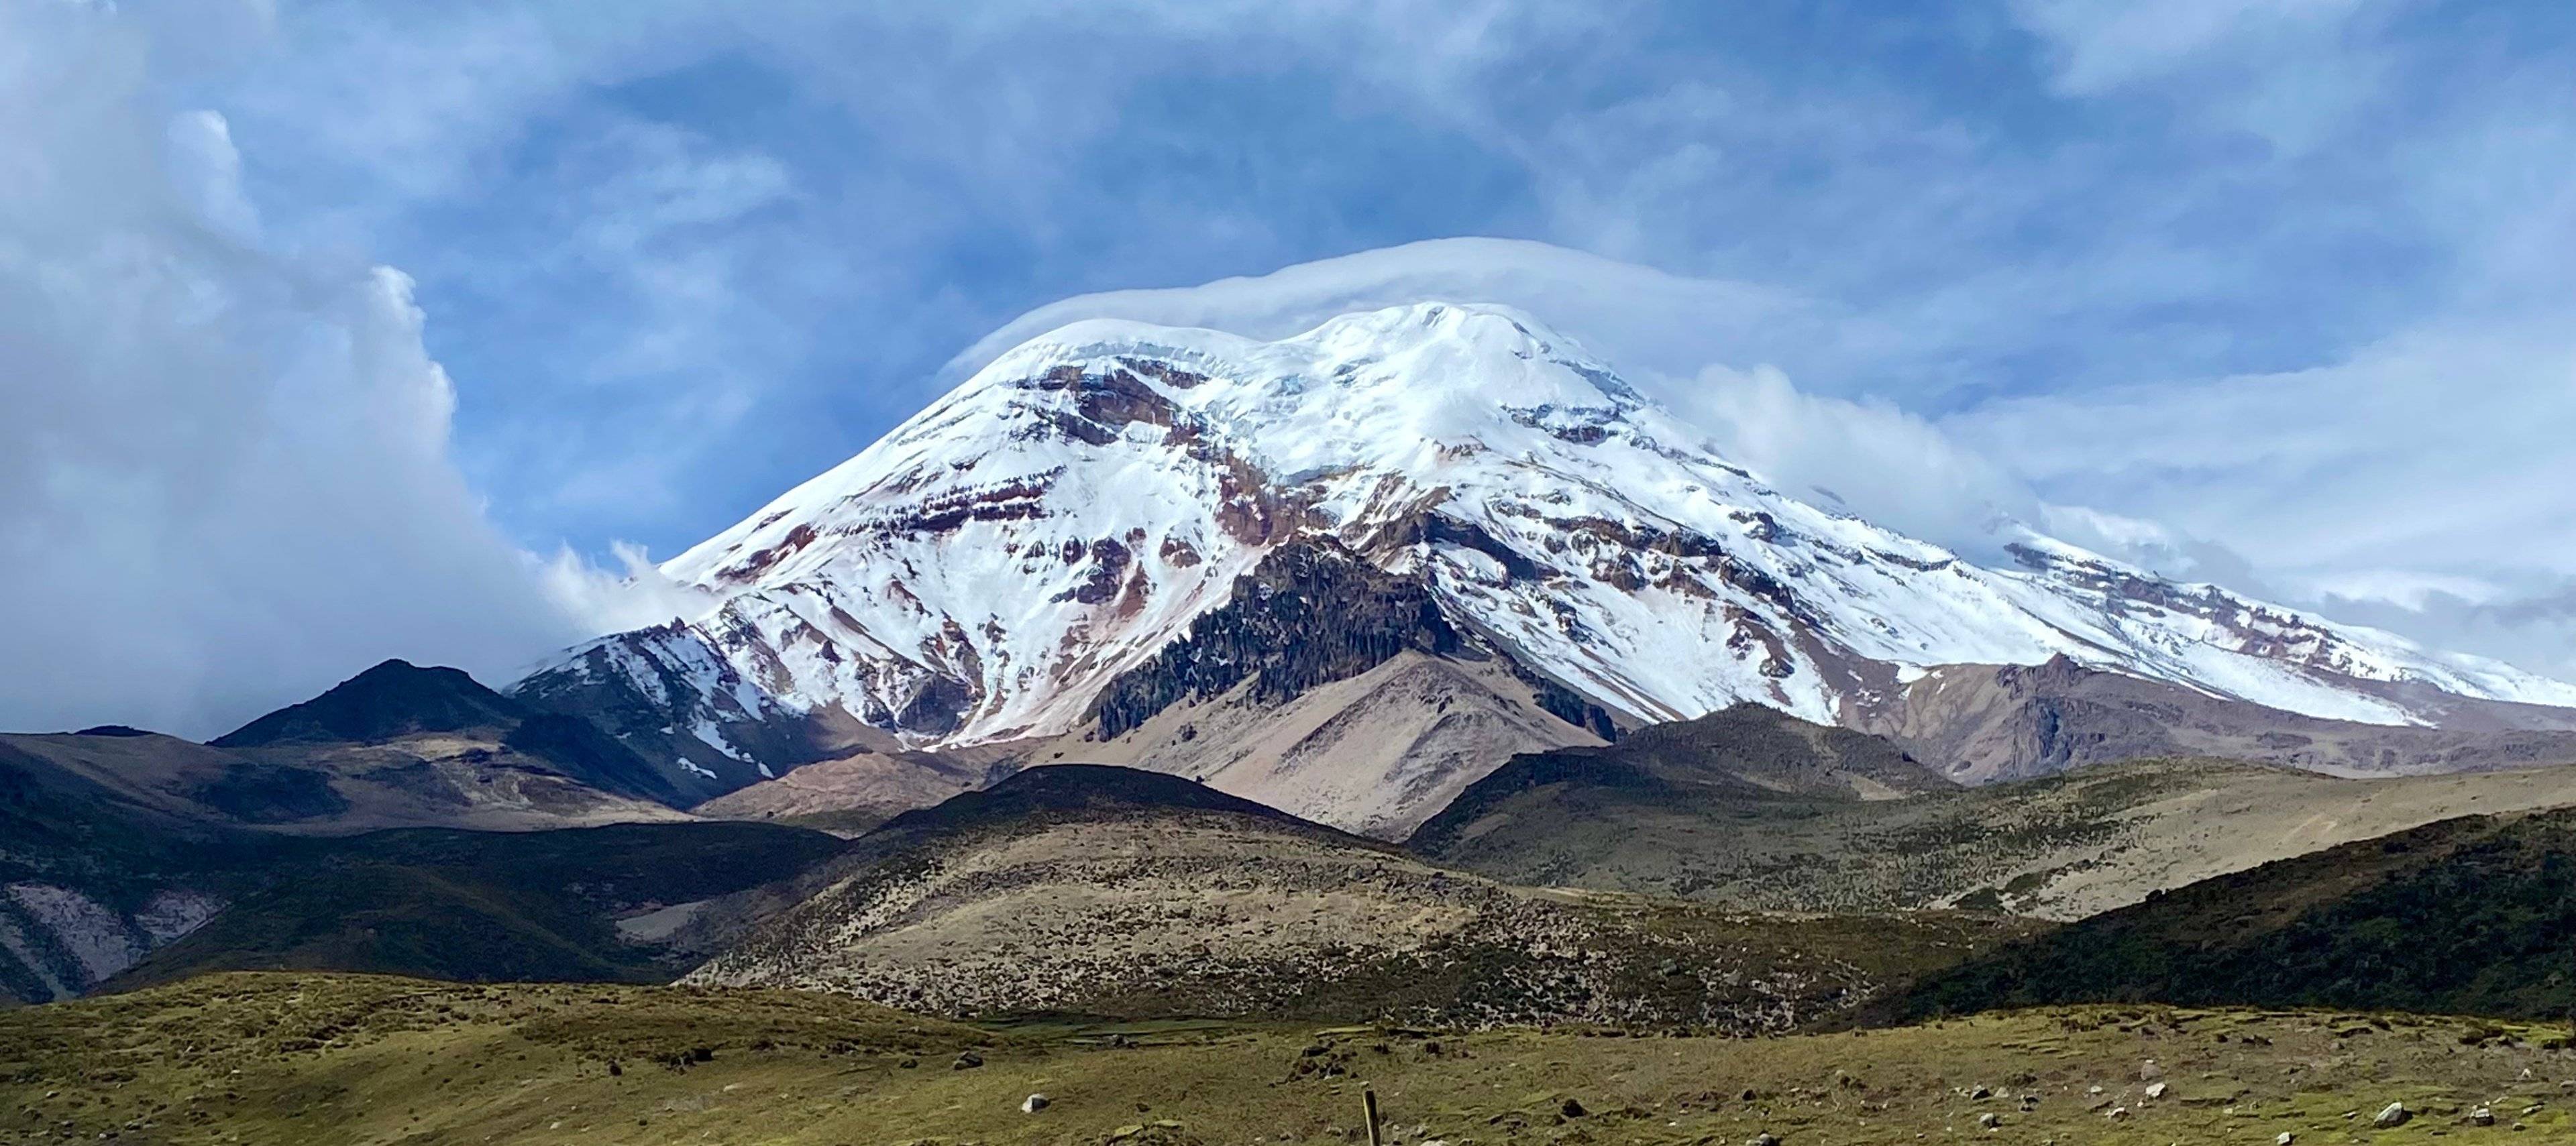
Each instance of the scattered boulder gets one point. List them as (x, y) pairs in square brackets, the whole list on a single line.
[(1766, 1138), (2117, 1112), (1033, 1103), (2284, 1138), (967, 1060), (1989, 1120), (1572, 1109), (2482, 1117), (2392, 1115), (2156, 1090)]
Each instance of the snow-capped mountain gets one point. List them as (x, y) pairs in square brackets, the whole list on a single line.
[(989, 570)]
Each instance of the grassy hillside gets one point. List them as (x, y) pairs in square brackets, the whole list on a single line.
[(2469, 915), (1097, 890), (2061, 847), (356, 1061)]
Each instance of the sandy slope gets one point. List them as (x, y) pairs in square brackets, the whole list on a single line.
[(1375, 754)]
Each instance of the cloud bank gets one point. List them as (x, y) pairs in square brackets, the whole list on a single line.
[(224, 470)]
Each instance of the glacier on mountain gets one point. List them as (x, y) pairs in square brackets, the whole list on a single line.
[(983, 572)]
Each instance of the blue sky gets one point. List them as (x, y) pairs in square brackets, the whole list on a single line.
[(2275, 290)]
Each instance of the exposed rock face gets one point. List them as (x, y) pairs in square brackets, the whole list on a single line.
[(1310, 614), (1333, 689), (57, 942)]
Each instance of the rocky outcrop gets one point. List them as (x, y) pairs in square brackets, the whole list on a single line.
[(1309, 614), (57, 942)]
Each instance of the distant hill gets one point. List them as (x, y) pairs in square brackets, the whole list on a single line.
[(1744, 808), (395, 698), (853, 793), (397, 703), (2475, 915), (114, 842), (1984, 723), (1091, 890)]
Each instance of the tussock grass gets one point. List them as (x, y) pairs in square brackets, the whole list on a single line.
[(284, 1058)]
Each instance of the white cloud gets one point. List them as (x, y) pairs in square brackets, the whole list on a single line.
[(1643, 319), (633, 596), (2443, 451), (1888, 466), (2290, 71), (224, 477), (2104, 44), (2406, 589)]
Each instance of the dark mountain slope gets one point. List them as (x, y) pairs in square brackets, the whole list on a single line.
[(488, 906), (1080, 793), (1748, 749), (397, 702), (1720, 807), (2473, 915), (395, 698), (92, 876), (115, 842)]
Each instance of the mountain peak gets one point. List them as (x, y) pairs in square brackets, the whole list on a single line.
[(1004, 558), (1483, 349), (394, 698)]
